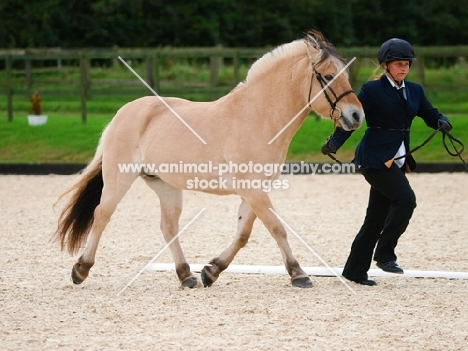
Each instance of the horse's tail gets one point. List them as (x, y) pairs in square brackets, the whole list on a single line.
[(77, 217)]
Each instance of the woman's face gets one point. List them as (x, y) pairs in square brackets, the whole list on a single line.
[(398, 69)]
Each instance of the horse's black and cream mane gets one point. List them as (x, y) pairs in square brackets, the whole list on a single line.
[(318, 41), (315, 39)]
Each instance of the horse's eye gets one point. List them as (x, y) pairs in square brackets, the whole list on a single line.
[(328, 77)]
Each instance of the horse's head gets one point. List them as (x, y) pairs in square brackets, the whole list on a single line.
[(330, 94)]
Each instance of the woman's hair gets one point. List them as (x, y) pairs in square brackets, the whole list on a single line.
[(376, 75)]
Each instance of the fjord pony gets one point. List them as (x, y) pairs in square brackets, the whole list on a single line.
[(246, 125)]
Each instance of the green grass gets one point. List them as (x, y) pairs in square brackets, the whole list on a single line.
[(65, 139), (61, 139)]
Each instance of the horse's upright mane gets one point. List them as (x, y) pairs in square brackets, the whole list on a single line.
[(318, 41), (313, 38), (264, 63)]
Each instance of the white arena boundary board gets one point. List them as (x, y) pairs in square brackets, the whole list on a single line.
[(314, 271)]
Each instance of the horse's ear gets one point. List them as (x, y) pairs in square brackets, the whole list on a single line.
[(311, 50)]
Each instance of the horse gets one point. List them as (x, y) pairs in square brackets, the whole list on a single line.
[(251, 125)]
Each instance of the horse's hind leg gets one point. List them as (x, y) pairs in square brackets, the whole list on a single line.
[(171, 209), (115, 187), (246, 218)]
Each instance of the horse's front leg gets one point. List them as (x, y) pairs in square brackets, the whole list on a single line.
[(246, 218), (262, 206)]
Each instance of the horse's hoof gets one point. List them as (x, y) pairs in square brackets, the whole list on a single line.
[(190, 282), (302, 282), (207, 281), (75, 278)]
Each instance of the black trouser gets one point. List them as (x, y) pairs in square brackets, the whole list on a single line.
[(391, 205)]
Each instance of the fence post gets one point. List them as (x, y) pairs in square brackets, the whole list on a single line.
[(420, 70), (9, 87), (115, 60), (28, 75), (157, 84), (236, 63), (83, 87), (149, 71), (354, 71), (214, 72)]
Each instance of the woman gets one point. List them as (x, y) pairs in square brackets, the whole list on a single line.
[(390, 104)]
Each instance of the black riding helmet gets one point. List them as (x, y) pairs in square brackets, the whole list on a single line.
[(396, 49)]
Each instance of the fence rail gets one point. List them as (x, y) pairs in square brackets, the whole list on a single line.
[(154, 56)]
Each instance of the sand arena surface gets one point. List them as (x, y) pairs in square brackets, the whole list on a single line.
[(41, 309)]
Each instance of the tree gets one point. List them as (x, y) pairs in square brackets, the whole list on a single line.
[(149, 23)]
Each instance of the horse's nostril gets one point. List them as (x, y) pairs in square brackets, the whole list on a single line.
[(356, 116)]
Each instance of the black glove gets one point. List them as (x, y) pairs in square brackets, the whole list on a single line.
[(444, 126), (328, 149)]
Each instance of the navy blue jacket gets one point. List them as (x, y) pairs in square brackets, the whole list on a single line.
[(388, 119)]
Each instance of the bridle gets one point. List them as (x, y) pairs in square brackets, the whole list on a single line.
[(326, 86)]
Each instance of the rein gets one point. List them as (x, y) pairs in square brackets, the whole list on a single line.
[(421, 145), (335, 159), (445, 135), (457, 152), (444, 142)]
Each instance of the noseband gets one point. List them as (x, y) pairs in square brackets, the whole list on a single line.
[(326, 86)]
